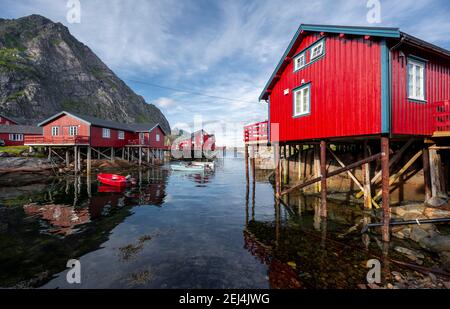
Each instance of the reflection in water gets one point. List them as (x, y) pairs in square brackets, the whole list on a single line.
[(177, 230)]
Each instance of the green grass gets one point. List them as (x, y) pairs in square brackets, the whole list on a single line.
[(13, 149)]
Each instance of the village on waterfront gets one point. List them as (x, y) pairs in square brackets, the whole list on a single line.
[(335, 177)]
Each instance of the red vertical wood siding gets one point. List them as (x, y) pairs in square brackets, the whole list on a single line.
[(415, 118), (5, 137), (64, 122), (345, 91), (97, 139), (152, 138)]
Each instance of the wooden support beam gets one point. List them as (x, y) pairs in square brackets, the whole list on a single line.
[(395, 158), (148, 155), (385, 188), (277, 169), (436, 174), (323, 174), (88, 161), (316, 166), (112, 154), (426, 173), (49, 153), (350, 174), (140, 155), (333, 173), (397, 175), (247, 176), (75, 159), (99, 153), (366, 177), (67, 158)]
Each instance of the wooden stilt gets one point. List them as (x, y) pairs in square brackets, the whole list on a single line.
[(67, 158), (277, 170), (366, 176), (426, 173), (247, 177), (123, 153), (112, 154), (253, 168), (49, 153), (148, 155), (299, 163), (88, 163), (140, 155), (436, 174), (75, 159), (385, 187), (317, 166), (323, 174)]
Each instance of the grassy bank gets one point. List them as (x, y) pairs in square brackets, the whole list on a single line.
[(17, 150)]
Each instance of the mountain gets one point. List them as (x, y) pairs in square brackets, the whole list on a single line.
[(44, 70)]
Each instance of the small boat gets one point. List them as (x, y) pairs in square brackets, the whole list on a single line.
[(187, 168), (209, 165), (113, 180)]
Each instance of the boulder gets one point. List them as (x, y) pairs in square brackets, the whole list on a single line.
[(436, 201), (437, 243), (408, 209), (418, 233), (433, 213)]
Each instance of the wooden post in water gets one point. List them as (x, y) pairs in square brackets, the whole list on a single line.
[(385, 187), (67, 158), (246, 164), (252, 160), (316, 166), (80, 168), (75, 159), (123, 153), (276, 149), (88, 163), (366, 176), (49, 153), (148, 155), (426, 173), (323, 182), (112, 154), (140, 155)]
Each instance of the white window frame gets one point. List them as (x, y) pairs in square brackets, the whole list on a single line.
[(412, 71), (157, 137), (296, 61), (55, 131), (121, 135), (16, 137), (73, 130), (313, 54), (300, 108), (106, 133)]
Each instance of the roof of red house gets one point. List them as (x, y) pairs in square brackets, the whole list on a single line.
[(9, 118), (20, 129), (142, 127), (384, 32)]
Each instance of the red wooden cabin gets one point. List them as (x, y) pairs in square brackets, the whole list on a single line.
[(65, 129), (199, 140), (4, 120), (337, 81), (15, 135)]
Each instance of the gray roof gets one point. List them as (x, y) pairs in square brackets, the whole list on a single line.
[(13, 119), (19, 129), (106, 123)]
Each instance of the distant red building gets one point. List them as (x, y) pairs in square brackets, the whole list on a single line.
[(15, 135), (7, 120), (65, 129), (199, 140)]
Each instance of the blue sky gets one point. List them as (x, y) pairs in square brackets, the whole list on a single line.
[(222, 48)]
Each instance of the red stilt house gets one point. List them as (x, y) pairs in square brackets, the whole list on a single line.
[(336, 81), (15, 135)]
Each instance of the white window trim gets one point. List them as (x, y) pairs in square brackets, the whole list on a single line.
[(16, 137), (413, 79), (296, 66), (55, 131), (312, 56), (122, 135), (106, 133), (297, 113), (158, 138), (73, 130)]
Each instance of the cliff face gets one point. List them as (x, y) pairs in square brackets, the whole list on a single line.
[(44, 69)]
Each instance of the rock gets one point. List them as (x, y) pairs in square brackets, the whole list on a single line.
[(433, 213), (4, 155), (437, 243), (418, 233), (414, 216), (409, 209), (447, 284), (411, 254), (445, 259), (436, 201)]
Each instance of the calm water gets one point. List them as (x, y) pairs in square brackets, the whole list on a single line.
[(176, 230)]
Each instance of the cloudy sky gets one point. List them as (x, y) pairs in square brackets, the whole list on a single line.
[(171, 51)]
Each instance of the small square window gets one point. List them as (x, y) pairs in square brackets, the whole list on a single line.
[(317, 50), (299, 62), (121, 135), (106, 133), (158, 138)]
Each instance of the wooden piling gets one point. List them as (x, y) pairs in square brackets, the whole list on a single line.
[(246, 164), (140, 155), (323, 174), (436, 173), (385, 187), (88, 163), (316, 166), (366, 176), (75, 159), (426, 173), (112, 154), (49, 153), (276, 149), (67, 158)]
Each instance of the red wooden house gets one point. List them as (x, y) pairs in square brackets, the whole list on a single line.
[(336, 81), (4, 120), (65, 129), (199, 140), (15, 135)]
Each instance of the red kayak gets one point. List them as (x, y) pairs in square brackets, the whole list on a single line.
[(112, 180)]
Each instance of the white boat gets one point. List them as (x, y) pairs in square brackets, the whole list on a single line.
[(209, 165), (187, 168)]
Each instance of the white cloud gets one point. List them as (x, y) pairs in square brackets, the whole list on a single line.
[(164, 102)]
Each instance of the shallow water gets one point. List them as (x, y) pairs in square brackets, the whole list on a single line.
[(176, 230)]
